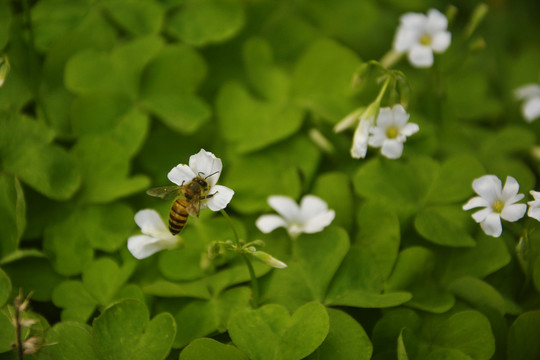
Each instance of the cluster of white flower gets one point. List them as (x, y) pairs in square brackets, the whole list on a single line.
[(312, 216), (156, 236), (499, 202), (388, 132)]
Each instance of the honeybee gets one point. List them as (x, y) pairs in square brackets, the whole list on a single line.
[(188, 197)]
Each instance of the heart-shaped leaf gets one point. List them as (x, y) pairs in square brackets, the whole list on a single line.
[(71, 341), (271, 333), (346, 339), (125, 332), (210, 349), (204, 317)]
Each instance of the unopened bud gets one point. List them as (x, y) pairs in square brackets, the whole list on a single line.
[(321, 141), (476, 18), (4, 69), (349, 120), (268, 259)]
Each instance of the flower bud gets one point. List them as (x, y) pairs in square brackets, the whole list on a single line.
[(267, 258), (4, 69)]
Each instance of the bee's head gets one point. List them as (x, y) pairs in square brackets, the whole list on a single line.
[(201, 179)]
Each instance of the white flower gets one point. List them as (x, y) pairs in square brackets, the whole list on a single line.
[(498, 202), (534, 206), (156, 236), (531, 105), (391, 131), (310, 217), (420, 35), (206, 165)]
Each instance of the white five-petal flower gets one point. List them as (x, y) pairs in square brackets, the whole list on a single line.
[(156, 236), (498, 202), (530, 94), (420, 35), (534, 206), (208, 166), (391, 131), (310, 217)]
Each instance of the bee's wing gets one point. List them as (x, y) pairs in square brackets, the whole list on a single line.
[(164, 192), (194, 207)]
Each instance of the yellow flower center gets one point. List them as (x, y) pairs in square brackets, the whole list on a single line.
[(425, 40), (392, 132), (498, 206)]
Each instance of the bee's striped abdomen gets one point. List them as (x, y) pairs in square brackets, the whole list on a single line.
[(178, 216)]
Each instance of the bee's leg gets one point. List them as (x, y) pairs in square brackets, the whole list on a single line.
[(209, 195)]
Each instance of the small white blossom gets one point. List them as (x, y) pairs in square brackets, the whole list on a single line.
[(534, 206), (208, 166), (420, 35), (391, 131), (498, 202), (311, 216), (156, 236), (530, 94)]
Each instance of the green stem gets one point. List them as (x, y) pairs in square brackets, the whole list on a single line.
[(390, 58), (236, 237), (383, 90), (254, 284)]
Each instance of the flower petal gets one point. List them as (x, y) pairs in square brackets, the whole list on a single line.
[(481, 215), (413, 20), (151, 223), (392, 149), (385, 118), (535, 194), (207, 165), (513, 212), (378, 136), (142, 246), (441, 41), (421, 56), (510, 189), (311, 206), (436, 21), (476, 201), (400, 115), (181, 174), (531, 109), (268, 223), (534, 212), (527, 91), (405, 39), (492, 225), (409, 129), (222, 197), (489, 187), (285, 206), (319, 222)]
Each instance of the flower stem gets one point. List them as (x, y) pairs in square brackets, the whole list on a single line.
[(383, 90), (236, 237), (254, 284), (390, 58)]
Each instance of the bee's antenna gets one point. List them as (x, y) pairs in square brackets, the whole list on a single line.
[(214, 173)]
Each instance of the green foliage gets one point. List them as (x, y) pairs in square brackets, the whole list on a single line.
[(103, 98), (271, 333)]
